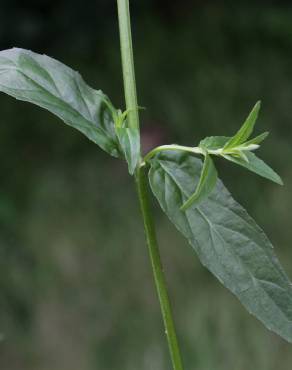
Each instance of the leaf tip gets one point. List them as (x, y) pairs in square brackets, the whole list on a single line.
[(257, 106), (265, 135)]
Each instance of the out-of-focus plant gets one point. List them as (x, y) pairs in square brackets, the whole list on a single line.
[(226, 239)]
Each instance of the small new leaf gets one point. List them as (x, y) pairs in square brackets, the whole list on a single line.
[(129, 140), (257, 140), (257, 166), (246, 129), (205, 186), (239, 154)]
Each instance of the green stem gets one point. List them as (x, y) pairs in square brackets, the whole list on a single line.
[(128, 63), (157, 268), (175, 147), (141, 180)]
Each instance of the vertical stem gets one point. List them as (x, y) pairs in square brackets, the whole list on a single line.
[(158, 270), (128, 62), (141, 180)]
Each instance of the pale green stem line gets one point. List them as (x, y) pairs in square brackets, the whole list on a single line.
[(141, 180), (172, 147), (128, 63), (158, 269)]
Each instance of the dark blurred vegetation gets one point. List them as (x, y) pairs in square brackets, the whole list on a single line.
[(76, 290)]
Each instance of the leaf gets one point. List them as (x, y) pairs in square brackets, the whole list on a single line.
[(226, 239), (246, 129), (217, 142), (238, 154), (257, 166), (214, 142), (257, 140), (205, 186), (129, 139), (44, 81)]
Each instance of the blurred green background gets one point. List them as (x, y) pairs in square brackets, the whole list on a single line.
[(76, 290)]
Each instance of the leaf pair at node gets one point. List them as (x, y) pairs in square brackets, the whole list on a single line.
[(226, 239), (237, 149)]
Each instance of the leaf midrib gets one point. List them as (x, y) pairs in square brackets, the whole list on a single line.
[(220, 236)]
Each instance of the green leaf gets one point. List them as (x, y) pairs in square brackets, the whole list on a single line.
[(205, 186), (238, 154), (246, 129), (129, 139), (44, 81), (226, 239), (213, 142), (257, 166), (257, 140)]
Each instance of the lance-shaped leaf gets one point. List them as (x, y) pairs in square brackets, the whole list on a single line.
[(257, 166), (226, 239), (44, 81), (246, 129), (257, 140), (205, 186), (129, 140)]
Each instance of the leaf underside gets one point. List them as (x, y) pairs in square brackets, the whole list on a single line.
[(226, 239), (44, 81)]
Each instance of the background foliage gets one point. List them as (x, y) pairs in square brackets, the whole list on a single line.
[(75, 281)]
